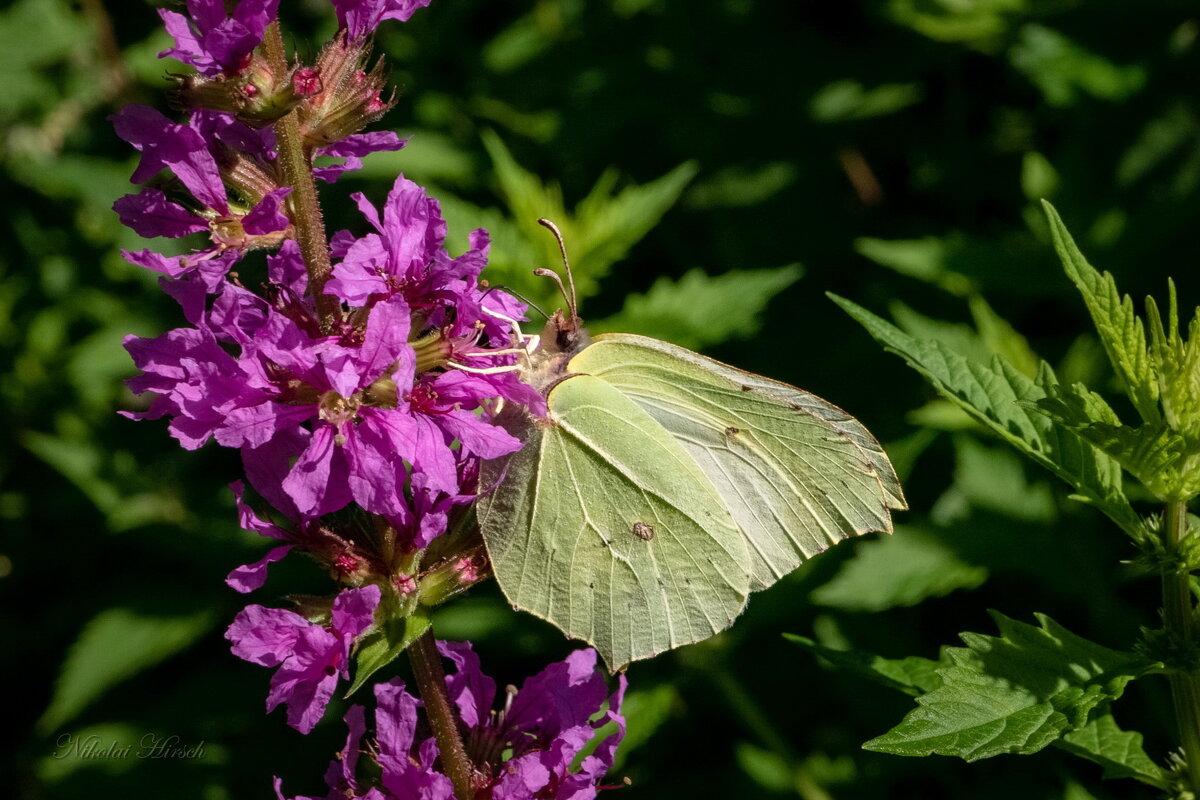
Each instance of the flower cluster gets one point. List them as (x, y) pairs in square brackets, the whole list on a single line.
[(359, 378), (523, 751)]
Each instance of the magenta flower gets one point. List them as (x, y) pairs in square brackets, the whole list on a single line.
[(193, 152), (310, 657), (352, 149), (360, 18), (545, 725), (247, 578), (213, 42), (522, 752)]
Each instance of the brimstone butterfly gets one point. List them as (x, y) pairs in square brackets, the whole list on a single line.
[(663, 487)]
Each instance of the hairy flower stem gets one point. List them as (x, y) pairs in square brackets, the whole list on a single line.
[(1178, 618), (431, 681), (296, 161)]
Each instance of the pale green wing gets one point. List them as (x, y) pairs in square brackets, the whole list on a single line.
[(797, 473), (605, 527)]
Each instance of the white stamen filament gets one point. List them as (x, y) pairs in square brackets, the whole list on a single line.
[(484, 370)]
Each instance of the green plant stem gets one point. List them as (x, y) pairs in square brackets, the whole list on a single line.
[(296, 163), (1178, 618), (431, 682)]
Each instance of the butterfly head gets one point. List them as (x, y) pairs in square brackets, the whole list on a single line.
[(564, 333)]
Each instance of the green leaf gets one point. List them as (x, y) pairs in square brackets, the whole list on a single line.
[(995, 479), (116, 644), (899, 570), (848, 100), (1016, 693), (912, 675), (1063, 70), (645, 711), (694, 311), (925, 259), (1154, 454), (1003, 400), (1121, 331), (1119, 752), (598, 233), (384, 645)]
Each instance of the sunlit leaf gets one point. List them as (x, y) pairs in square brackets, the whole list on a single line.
[(117, 644), (1003, 400), (693, 311), (1016, 693), (1119, 752)]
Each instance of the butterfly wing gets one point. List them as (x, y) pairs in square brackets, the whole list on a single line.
[(797, 473), (603, 525)]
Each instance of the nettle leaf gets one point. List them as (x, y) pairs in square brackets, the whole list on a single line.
[(1004, 400), (1119, 752), (1016, 693), (912, 675), (693, 311), (1177, 363), (1152, 453), (1121, 331), (898, 570)]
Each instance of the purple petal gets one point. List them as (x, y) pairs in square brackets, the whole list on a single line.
[(354, 611), (286, 268), (149, 213), (265, 636), (340, 777), (473, 692), (267, 216), (479, 437), (395, 719), (561, 696), (249, 577), (268, 465), (317, 482)]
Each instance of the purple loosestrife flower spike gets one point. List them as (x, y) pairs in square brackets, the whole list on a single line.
[(310, 657)]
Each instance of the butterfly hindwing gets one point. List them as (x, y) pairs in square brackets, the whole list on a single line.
[(606, 527)]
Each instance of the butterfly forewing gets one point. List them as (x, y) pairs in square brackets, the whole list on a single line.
[(605, 526), (797, 473)]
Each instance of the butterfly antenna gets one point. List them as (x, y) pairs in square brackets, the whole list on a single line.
[(517, 295), (572, 299)]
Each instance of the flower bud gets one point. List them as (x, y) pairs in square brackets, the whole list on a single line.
[(255, 95), (345, 97)]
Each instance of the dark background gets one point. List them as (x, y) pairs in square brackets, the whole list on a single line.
[(895, 150)]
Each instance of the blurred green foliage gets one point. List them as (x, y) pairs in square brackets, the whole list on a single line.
[(694, 154)]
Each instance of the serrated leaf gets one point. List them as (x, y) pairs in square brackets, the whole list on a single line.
[(898, 570), (384, 645), (1119, 752), (1003, 400), (116, 644), (1154, 454), (1121, 330), (1016, 693), (912, 675), (694, 311)]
